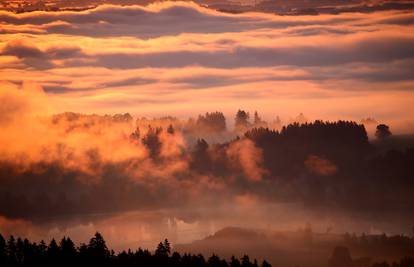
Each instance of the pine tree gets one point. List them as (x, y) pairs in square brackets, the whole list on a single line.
[(2, 249), (266, 264)]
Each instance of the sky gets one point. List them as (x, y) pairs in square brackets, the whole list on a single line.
[(180, 59)]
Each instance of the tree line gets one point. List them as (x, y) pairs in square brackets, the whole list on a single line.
[(341, 257), (289, 156), (22, 252)]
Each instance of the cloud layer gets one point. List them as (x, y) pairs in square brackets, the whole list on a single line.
[(177, 56)]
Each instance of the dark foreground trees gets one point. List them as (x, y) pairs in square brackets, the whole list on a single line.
[(341, 257), (405, 262), (22, 252)]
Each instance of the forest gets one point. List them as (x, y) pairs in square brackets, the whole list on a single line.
[(319, 163), (207, 169), (22, 252)]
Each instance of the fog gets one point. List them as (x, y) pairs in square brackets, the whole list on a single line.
[(143, 125), (137, 181)]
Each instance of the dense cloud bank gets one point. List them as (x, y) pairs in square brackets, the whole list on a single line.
[(172, 57)]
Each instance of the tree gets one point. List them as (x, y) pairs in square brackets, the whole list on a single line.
[(215, 261), (245, 261), (167, 246), (340, 257), (213, 122), (277, 122), (152, 141), (258, 122), (200, 159), (241, 121), (11, 249), (2, 249), (175, 259), (42, 248), (234, 262), (83, 252), (29, 252), (163, 249), (257, 119), (136, 134), (266, 264), (67, 250), (170, 129), (53, 251), (97, 247), (19, 250), (383, 131)]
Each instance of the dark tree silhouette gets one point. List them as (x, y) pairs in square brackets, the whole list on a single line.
[(213, 122), (266, 264), (11, 250), (404, 262), (163, 249), (234, 262), (52, 253), (68, 252), (241, 120), (215, 261), (97, 247), (200, 159), (24, 253), (42, 248), (340, 257), (245, 261), (2, 249), (167, 246), (383, 131), (136, 135), (170, 129), (19, 250), (152, 141), (257, 121)]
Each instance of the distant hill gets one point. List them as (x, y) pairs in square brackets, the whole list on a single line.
[(280, 248), (299, 248)]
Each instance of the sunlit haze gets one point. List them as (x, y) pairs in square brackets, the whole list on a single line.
[(208, 121)]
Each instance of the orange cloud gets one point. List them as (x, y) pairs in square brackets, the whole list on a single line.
[(320, 165), (245, 153)]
